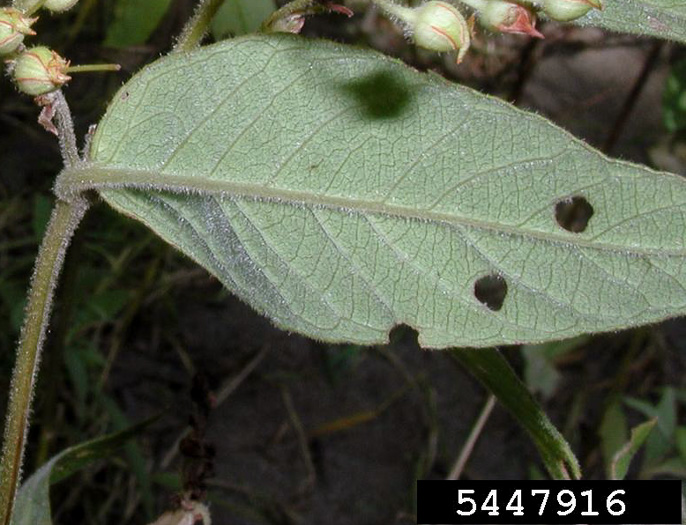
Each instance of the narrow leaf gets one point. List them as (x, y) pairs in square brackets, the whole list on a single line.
[(342, 193), (240, 17), (660, 18), (134, 21), (491, 368), (622, 459), (33, 501), (613, 432)]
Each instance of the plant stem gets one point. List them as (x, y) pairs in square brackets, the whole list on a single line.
[(65, 125), (476, 4), (93, 68), (197, 26), (405, 14), (63, 222), (473, 437)]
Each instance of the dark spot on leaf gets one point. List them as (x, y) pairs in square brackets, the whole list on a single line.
[(491, 291), (403, 335), (125, 95), (573, 214), (381, 95)]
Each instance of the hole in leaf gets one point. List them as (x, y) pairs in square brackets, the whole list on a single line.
[(403, 335), (491, 291), (573, 214)]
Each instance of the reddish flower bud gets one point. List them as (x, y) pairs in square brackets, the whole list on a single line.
[(40, 70), (13, 27), (507, 16)]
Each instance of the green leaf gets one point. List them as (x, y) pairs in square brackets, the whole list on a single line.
[(33, 501), (491, 368), (240, 17), (613, 432), (342, 193), (674, 102), (660, 18), (622, 459), (134, 21), (660, 443)]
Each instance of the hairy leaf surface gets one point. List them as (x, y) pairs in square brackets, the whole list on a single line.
[(341, 193), (659, 18)]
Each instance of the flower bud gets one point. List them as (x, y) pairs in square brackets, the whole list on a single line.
[(40, 70), (567, 10), (59, 6), (439, 26), (13, 27), (27, 6), (292, 23), (507, 16)]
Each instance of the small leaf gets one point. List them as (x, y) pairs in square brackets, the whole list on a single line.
[(342, 193), (134, 21), (491, 368), (660, 18), (622, 459), (240, 17), (32, 506), (660, 443)]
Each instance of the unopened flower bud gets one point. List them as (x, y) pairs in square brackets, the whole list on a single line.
[(439, 26), (567, 10), (289, 24), (40, 70), (27, 6), (507, 16), (13, 27), (59, 6)]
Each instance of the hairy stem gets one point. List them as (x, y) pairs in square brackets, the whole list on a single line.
[(291, 8), (65, 125), (65, 218), (197, 26)]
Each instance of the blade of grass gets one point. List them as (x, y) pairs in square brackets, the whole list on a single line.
[(495, 373)]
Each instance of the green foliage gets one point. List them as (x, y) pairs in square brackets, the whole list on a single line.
[(622, 459), (489, 367), (287, 158), (134, 21), (240, 17), (660, 18), (33, 500), (665, 450), (342, 194)]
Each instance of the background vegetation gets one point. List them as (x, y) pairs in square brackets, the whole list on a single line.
[(306, 432)]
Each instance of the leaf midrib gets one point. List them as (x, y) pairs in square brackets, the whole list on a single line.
[(73, 181)]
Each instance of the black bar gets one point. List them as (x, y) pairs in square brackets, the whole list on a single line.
[(655, 502)]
